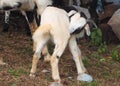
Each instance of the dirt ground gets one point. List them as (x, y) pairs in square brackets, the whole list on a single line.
[(16, 50)]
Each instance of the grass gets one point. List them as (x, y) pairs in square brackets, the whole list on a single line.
[(18, 72), (13, 85), (94, 83), (106, 74)]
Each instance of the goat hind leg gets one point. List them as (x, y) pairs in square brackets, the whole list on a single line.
[(58, 51), (38, 49)]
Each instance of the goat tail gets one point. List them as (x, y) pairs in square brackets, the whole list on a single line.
[(91, 21), (42, 31)]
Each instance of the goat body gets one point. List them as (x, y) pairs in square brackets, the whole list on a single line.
[(55, 25)]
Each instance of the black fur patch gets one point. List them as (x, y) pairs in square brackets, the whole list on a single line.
[(69, 8), (35, 7), (83, 15), (30, 16), (58, 3), (7, 8), (58, 57)]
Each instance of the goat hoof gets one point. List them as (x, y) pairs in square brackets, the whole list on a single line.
[(85, 77), (56, 84)]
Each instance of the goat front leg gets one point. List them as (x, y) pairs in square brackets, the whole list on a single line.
[(82, 76)]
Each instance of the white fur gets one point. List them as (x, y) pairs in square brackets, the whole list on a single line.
[(42, 4), (55, 25), (76, 22)]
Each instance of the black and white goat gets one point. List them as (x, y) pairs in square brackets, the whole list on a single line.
[(61, 31), (28, 16), (14, 5), (24, 6)]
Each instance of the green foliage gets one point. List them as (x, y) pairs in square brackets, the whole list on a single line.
[(17, 72), (94, 83), (103, 48), (116, 53), (96, 37), (13, 72), (13, 85)]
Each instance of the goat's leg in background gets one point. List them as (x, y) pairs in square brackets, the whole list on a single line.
[(82, 76), (6, 21), (28, 20), (33, 20), (27, 24)]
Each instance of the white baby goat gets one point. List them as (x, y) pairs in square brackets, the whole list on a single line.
[(56, 25)]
